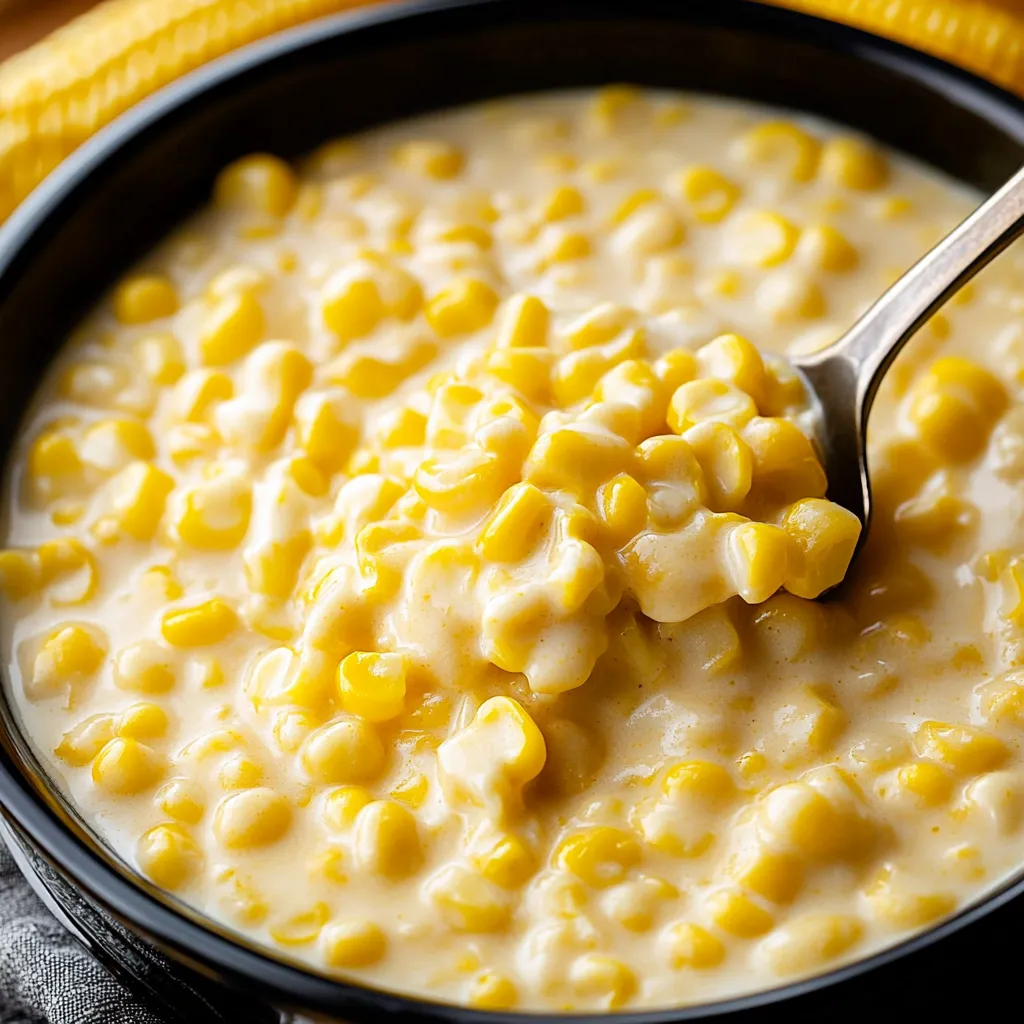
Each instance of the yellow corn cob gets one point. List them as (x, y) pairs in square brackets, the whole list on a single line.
[(976, 35), (56, 94), (59, 92)]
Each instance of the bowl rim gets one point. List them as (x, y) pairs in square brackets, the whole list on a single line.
[(95, 872)]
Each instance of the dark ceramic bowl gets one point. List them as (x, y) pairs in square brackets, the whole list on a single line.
[(120, 193)]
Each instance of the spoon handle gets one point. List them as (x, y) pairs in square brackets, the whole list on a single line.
[(874, 341)]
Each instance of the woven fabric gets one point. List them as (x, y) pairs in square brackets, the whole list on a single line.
[(46, 977)]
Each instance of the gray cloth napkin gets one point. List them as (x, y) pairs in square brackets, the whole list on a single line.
[(46, 977)]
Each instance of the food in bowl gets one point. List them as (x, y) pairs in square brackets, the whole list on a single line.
[(412, 564)]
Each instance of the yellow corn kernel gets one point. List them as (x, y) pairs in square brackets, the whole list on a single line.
[(966, 750), (352, 305), (709, 194), (901, 910), (491, 991), (326, 431), (603, 978), (251, 817), (623, 507), (493, 757), (781, 145), (705, 780), (776, 877), (601, 856), (341, 806), (807, 942), (786, 466), (259, 183), (231, 329), (199, 625), (78, 746), (571, 457), (524, 323), (70, 653), (504, 859), (142, 721), (183, 800), (853, 164), (808, 723), (465, 306), (598, 326), (789, 295), (726, 461), (347, 750), (827, 536), (730, 357), (387, 840), (822, 247), (53, 465), (168, 855), (20, 573), (934, 521), (760, 558), (214, 514), (563, 203), (138, 495), (929, 784), (566, 246), (736, 913), (954, 406), (633, 202), (145, 297), (515, 526), (110, 445), (467, 901), (301, 928), (689, 945), (68, 570), (94, 382), (401, 428), (762, 239), (467, 483), (352, 943), (239, 772), (709, 399), (428, 158), (126, 766)]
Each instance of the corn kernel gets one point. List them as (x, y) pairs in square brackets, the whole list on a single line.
[(138, 494), (709, 194), (126, 766), (899, 909), (387, 840), (709, 399), (199, 625), (168, 855), (465, 306), (763, 239), (301, 928), (258, 183), (810, 941), (342, 805), (781, 145), (827, 536), (213, 515), (467, 901), (603, 978), (966, 750), (491, 991), (736, 913), (231, 329), (430, 159), (929, 784), (68, 570), (623, 507), (347, 750), (824, 248), (183, 800), (515, 526), (853, 164), (601, 856), (524, 323), (70, 653), (563, 203), (251, 817), (20, 573), (691, 946), (776, 877), (504, 859), (145, 297), (352, 943), (78, 746)]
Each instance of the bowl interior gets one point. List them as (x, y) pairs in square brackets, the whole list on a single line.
[(143, 175)]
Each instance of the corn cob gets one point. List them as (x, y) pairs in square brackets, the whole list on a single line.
[(977, 36), (59, 92)]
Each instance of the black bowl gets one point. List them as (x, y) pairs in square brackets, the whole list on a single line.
[(121, 192)]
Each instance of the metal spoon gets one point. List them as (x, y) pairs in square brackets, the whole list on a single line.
[(844, 378)]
